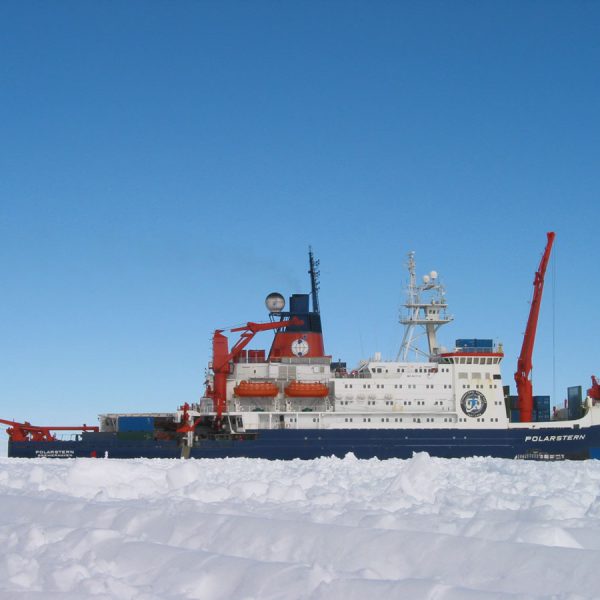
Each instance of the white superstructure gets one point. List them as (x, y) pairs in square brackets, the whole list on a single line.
[(460, 388)]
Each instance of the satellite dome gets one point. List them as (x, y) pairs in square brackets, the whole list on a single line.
[(425, 278), (275, 302), (433, 274)]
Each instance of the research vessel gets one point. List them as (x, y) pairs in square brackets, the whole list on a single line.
[(294, 402)]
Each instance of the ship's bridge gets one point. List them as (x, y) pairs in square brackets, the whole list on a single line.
[(473, 352)]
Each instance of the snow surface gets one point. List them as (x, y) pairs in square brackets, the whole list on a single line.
[(324, 529)]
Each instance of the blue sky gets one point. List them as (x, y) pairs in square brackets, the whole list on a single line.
[(164, 166)]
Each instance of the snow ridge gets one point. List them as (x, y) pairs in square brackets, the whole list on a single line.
[(325, 529)]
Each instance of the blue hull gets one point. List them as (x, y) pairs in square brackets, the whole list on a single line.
[(287, 444)]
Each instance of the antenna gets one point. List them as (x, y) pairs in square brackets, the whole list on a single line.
[(314, 279), (425, 308)]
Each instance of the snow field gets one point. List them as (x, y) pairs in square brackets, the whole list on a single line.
[(325, 529)]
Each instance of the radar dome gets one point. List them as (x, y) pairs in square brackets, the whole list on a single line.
[(433, 274), (275, 302), (425, 278)]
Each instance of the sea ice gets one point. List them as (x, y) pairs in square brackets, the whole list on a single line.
[(326, 529)]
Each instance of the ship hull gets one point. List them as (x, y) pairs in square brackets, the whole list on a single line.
[(287, 444)]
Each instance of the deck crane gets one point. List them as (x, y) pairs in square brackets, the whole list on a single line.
[(524, 364), (26, 432), (594, 391), (222, 357)]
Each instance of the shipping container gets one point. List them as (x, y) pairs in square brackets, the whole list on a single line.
[(136, 424), (574, 402), (255, 356), (475, 345)]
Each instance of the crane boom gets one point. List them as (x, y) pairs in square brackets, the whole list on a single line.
[(524, 364), (24, 432)]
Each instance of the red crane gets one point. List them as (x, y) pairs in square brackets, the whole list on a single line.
[(222, 357), (524, 364), (594, 391), (26, 432)]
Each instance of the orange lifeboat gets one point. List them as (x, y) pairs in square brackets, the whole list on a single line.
[(302, 389), (255, 389)]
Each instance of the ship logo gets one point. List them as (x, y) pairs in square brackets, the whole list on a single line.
[(300, 347), (473, 403)]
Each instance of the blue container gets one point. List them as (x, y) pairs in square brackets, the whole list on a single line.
[(484, 343), (136, 424), (574, 395), (475, 344)]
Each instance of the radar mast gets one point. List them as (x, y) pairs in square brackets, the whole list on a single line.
[(314, 279), (425, 308)]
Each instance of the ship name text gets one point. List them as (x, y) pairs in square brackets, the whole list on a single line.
[(555, 438)]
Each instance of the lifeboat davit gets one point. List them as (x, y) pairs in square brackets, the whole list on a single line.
[(256, 389), (302, 389)]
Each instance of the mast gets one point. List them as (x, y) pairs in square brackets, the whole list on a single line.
[(524, 364), (314, 279), (425, 308)]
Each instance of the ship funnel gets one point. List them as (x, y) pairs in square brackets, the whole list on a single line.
[(299, 341)]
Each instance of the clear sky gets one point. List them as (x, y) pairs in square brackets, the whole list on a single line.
[(165, 165)]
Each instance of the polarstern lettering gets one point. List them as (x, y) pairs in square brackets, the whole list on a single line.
[(555, 438), (55, 453)]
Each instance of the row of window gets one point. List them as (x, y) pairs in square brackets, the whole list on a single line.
[(419, 370), (397, 386), (398, 420), (476, 375), (480, 386), (415, 420), (472, 360), (391, 402)]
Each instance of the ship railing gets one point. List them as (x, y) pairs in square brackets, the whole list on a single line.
[(305, 360)]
